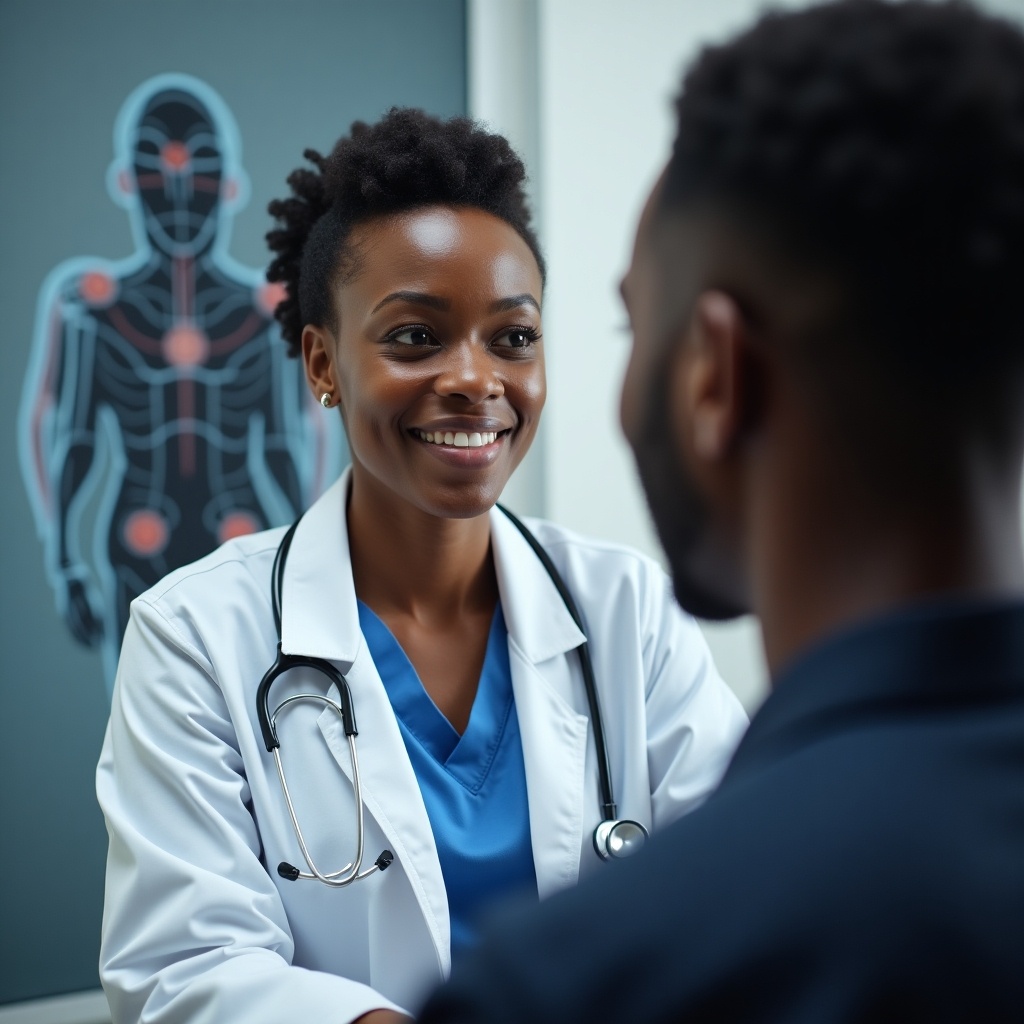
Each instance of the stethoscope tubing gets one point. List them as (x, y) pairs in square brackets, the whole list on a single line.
[(350, 872), (633, 832)]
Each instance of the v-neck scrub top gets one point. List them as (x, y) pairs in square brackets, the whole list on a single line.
[(473, 785)]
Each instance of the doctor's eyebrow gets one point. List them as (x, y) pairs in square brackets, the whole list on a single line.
[(514, 302), (444, 305), (419, 298)]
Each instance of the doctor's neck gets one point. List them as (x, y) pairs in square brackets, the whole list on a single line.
[(411, 563)]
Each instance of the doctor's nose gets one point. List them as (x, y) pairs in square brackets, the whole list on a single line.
[(469, 373)]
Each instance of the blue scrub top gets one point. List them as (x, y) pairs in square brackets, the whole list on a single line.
[(473, 785)]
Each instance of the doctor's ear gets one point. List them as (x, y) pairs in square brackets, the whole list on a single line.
[(317, 348), (711, 397)]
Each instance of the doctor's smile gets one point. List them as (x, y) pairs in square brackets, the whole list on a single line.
[(460, 444), (460, 439)]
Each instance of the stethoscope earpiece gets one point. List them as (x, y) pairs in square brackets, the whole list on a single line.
[(616, 839)]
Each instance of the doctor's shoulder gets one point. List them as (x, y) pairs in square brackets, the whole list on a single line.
[(598, 570), (627, 603), (626, 598), (218, 601)]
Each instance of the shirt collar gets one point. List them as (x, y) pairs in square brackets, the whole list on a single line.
[(320, 617), (945, 653)]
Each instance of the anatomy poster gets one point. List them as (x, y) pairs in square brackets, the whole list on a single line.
[(160, 414), (152, 411)]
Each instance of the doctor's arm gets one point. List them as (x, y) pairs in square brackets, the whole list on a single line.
[(193, 926)]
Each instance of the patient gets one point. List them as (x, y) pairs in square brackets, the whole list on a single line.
[(826, 403)]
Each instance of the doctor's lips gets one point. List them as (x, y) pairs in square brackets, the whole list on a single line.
[(458, 438), (461, 434)]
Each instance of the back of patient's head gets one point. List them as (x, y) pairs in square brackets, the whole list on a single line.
[(883, 143)]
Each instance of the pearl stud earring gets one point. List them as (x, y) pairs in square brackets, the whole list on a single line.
[(325, 399)]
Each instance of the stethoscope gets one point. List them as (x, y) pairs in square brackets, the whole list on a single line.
[(614, 837)]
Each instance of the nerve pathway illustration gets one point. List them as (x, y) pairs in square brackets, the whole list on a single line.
[(161, 415)]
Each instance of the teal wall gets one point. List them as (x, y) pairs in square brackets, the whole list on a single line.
[(295, 73)]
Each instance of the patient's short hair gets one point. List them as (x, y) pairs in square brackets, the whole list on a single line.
[(887, 140)]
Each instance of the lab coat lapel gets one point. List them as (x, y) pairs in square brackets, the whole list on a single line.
[(547, 688), (320, 618)]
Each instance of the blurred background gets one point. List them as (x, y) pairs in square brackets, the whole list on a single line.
[(582, 88)]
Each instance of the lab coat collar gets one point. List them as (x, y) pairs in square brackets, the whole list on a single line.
[(535, 614), (319, 615), (319, 611)]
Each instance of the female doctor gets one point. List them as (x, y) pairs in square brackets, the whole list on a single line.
[(414, 286)]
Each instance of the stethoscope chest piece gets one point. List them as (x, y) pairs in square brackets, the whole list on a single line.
[(616, 839)]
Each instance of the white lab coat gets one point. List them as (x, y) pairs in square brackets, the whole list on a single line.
[(197, 925)]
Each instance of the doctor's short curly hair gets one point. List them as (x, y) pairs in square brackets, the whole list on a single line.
[(406, 160), (885, 141)]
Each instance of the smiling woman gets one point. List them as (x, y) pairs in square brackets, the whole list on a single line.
[(440, 334), (413, 294)]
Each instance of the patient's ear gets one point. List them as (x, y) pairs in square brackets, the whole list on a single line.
[(709, 377)]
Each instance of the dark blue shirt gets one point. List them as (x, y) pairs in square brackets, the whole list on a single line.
[(862, 861)]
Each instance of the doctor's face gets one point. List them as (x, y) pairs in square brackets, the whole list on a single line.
[(438, 361)]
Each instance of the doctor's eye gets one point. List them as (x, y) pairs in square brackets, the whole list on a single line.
[(517, 338), (414, 337)]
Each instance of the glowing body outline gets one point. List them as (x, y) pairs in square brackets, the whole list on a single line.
[(160, 413)]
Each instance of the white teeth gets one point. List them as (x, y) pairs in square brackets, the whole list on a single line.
[(458, 439)]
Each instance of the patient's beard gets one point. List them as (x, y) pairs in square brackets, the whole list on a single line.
[(680, 514)]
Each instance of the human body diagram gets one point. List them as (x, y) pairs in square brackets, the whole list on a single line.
[(161, 415)]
